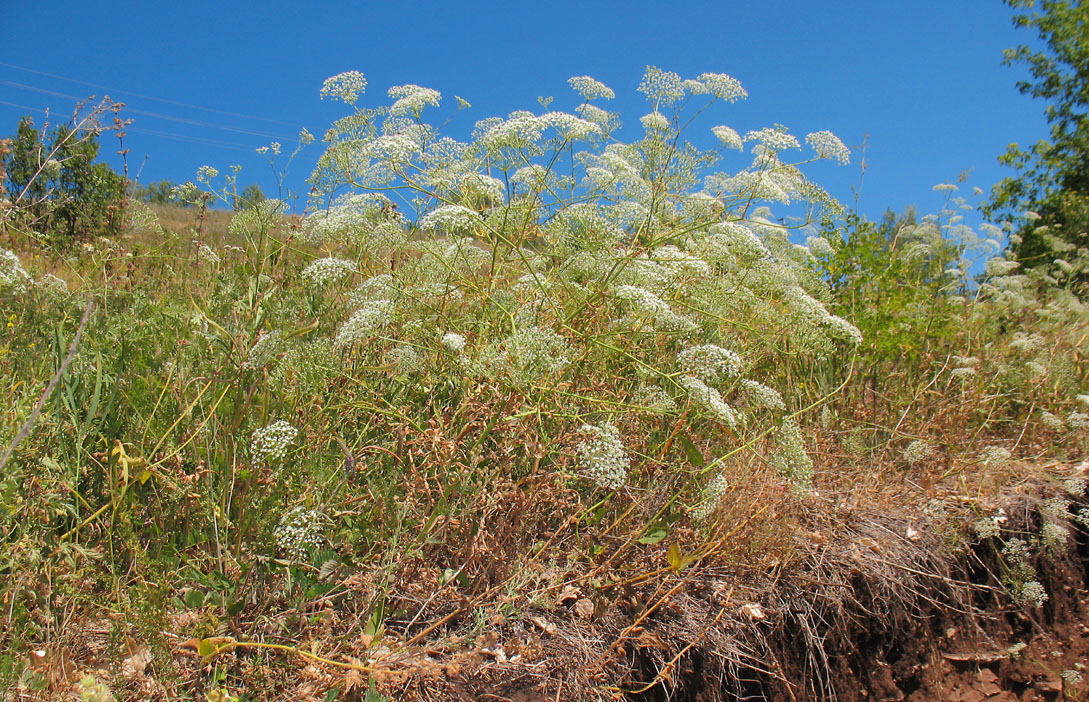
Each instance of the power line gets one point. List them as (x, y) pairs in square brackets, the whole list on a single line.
[(156, 115), (153, 132), (149, 97)]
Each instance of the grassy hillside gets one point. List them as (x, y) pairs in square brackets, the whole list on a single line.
[(531, 435)]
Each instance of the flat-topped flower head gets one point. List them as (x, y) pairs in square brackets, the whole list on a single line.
[(723, 86), (412, 99), (828, 145), (729, 137), (590, 89), (602, 455), (662, 87), (270, 443), (327, 270), (345, 86)]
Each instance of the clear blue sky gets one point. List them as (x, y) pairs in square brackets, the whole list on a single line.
[(921, 81)]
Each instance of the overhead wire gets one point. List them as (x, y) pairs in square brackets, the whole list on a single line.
[(156, 115), (149, 97)]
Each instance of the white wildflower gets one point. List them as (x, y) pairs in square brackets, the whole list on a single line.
[(828, 145), (589, 88), (711, 364), (707, 397), (763, 397), (270, 443), (663, 87), (453, 342), (327, 270), (266, 348), (372, 316), (773, 139), (345, 86), (729, 137), (451, 218), (711, 495), (602, 455), (723, 86), (411, 100), (300, 531), (655, 122)]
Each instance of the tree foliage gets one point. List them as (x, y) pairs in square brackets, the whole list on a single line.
[(1053, 176), (55, 186)]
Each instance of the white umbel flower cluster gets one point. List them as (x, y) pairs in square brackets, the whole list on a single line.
[(328, 270), (710, 399), (12, 275), (828, 145), (372, 316), (710, 363), (602, 455), (345, 86), (589, 88), (723, 87), (454, 342), (729, 137), (270, 443), (300, 530), (451, 218), (412, 99)]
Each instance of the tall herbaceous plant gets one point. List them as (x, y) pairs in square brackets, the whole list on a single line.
[(613, 285)]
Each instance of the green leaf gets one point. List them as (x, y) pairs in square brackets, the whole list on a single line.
[(693, 454), (654, 535), (193, 599)]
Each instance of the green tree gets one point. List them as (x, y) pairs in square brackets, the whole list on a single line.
[(251, 195), (1053, 176), (57, 188)]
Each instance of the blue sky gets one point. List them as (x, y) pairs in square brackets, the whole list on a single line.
[(921, 82)]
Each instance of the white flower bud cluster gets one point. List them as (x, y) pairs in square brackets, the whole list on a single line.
[(762, 397), (995, 456), (654, 398), (828, 145), (790, 459), (300, 531), (655, 122), (662, 87), (712, 494), (327, 270), (589, 88), (533, 353), (412, 99), (602, 455), (643, 302), (207, 254), (723, 87), (729, 137), (773, 140), (709, 399), (451, 218), (12, 275), (917, 452), (345, 86), (454, 342), (372, 316), (711, 364), (270, 443), (1077, 421), (265, 349), (405, 358), (52, 285)]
